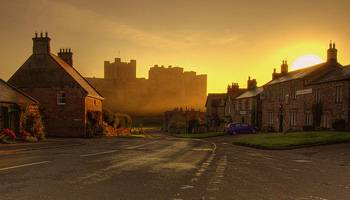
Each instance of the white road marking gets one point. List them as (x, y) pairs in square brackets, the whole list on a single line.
[(302, 161), (24, 165), (185, 187), (142, 145), (100, 153), (113, 151), (202, 149)]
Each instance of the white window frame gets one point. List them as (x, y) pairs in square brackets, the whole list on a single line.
[(61, 98), (317, 95), (325, 120), (293, 118), (338, 94), (308, 119), (270, 118)]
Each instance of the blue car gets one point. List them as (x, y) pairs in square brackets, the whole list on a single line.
[(236, 128)]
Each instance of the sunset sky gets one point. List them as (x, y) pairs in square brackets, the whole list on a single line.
[(227, 39)]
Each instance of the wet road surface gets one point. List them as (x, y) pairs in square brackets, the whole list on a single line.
[(164, 167)]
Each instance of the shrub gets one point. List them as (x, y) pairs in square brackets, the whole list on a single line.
[(107, 117), (339, 125), (270, 129), (7, 136), (31, 139), (24, 134), (308, 128)]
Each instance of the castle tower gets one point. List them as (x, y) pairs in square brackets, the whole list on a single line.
[(332, 53), (284, 67), (118, 70), (41, 44), (66, 55)]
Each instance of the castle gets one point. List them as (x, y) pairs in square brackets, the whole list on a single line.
[(166, 88)]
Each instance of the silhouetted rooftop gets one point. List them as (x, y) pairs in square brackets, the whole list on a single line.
[(77, 77), (301, 73), (251, 93)]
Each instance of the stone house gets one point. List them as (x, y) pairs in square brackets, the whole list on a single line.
[(233, 91), (315, 96), (71, 107), (248, 107), (215, 111), (18, 111)]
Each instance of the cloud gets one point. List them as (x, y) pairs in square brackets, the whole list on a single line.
[(88, 22)]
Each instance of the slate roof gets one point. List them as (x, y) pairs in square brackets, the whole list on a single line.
[(251, 93), (219, 97), (77, 77), (335, 75), (18, 91), (305, 72)]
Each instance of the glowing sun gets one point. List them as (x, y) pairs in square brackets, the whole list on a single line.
[(306, 61)]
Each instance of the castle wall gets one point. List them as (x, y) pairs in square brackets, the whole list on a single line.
[(166, 89)]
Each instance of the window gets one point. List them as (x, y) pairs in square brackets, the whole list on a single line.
[(317, 95), (250, 104), (308, 119), (282, 94), (228, 108), (338, 94), (293, 118), (325, 121), (293, 94), (61, 98), (270, 118), (246, 104)]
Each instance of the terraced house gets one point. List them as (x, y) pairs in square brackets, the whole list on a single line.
[(248, 105), (313, 97)]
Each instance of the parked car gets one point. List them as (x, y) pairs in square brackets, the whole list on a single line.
[(236, 128)]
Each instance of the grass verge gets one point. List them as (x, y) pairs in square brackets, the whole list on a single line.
[(199, 135), (291, 140)]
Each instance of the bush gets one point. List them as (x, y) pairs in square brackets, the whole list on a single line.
[(7, 136), (308, 128), (30, 139), (107, 117), (339, 125)]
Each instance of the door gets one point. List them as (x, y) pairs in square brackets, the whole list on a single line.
[(14, 120), (280, 123), (4, 118)]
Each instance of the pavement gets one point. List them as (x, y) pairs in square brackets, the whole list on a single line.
[(163, 167)]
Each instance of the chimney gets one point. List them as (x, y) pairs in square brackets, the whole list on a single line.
[(41, 44), (332, 53), (284, 67), (274, 74), (251, 83), (233, 89), (66, 55)]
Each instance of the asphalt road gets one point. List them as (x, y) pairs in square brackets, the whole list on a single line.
[(171, 168)]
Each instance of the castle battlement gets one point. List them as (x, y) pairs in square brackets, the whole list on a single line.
[(118, 70), (165, 88)]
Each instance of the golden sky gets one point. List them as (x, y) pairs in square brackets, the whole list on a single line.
[(227, 39)]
